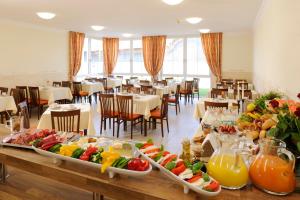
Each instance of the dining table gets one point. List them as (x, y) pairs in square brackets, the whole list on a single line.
[(92, 87), (199, 109), (114, 82), (53, 94), (86, 121), (7, 103)]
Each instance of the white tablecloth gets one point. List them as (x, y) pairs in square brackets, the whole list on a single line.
[(161, 90), (143, 104), (114, 82), (200, 108), (7, 103), (92, 88), (53, 94), (86, 121)]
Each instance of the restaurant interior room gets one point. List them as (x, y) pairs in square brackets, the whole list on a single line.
[(149, 99)]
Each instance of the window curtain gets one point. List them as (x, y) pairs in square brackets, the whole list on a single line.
[(110, 54), (76, 42), (154, 53), (212, 47)]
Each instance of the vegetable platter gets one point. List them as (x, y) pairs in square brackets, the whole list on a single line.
[(26, 139), (189, 175), (108, 155)]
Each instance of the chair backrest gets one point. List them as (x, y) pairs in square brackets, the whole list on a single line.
[(169, 78), (215, 92), (164, 106), (66, 84), (120, 77), (77, 87), (177, 92), (241, 84), (208, 104), (147, 89), (144, 82), (162, 82), (189, 86), (34, 95), (196, 83), (247, 93), (56, 84), (107, 105), (241, 80), (23, 93), (3, 90), (65, 120), (15, 93), (104, 82), (127, 87), (228, 80), (125, 106)]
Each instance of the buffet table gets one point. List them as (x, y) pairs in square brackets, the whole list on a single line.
[(7, 103), (90, 179)]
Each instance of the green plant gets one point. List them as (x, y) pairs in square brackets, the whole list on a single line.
[(272, 95)]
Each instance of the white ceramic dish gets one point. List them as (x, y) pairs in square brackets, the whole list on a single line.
[(186, 185), (111, 170)]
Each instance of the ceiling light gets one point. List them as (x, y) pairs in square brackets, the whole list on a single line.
[(127, 35), (172, 2), (97, 28), (193, 20), (46, 15), (204, 30)]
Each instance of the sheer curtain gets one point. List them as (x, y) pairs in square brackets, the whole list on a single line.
[(76, 41)]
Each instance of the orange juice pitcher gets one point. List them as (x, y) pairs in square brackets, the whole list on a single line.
[(273, 168)]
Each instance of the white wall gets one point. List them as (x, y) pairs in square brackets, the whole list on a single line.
[(237, 55), (277, 47), (31, 55)]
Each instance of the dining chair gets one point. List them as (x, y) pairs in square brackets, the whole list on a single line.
[(247, 94), (56, 84), (147, 89), (187, 91), (174, 101), (208, 104), (107, 89), (127, 87), (196, 87), (162, 82), (23, 92), (65, 120), (78, 93), (36, 101), (160, 114), (108, 111), (66, 84), (169, 78), (216, 92), (125, 114), (3, 90), (144, 82)]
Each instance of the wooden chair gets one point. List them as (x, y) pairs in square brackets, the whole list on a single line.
[(108, 111), (107, 89), (56, 84), (65, 120), (66, 84), (36, 101), (125, 114), (247, 94), (187, 91), (196, 87), (23, 92), (161, 114), (3, 90), (144, 82), (127, 87), (147, 89), (169, 78), (208, 104), (78, 93), (235, 86), (162, 82), (241, 80), (228, 80), (215, 92), (175, 101)]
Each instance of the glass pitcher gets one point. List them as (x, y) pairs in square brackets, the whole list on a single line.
[(227, 166), (273, 168)]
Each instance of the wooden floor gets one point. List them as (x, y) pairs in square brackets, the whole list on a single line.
[(21, 185)]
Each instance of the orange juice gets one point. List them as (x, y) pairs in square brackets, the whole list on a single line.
[(229, 170), (273, 174)]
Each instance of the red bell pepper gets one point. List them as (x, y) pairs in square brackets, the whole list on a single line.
[(152, 151), (179, 163), (137, 164), (165, 153), (146, 145), (87, 154), (212, 187), (194, 178), (169, 159), (179, 169)]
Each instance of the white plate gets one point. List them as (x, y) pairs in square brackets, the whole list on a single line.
[(111, 170), (186, 185)]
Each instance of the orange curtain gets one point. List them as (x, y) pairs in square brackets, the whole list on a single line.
[(76, 42), (212, 47), (110, 54), (154, 53)]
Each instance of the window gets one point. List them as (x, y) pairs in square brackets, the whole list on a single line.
[(173, 62), (138, 60), (92, 57), (123, 63), (196, 61)]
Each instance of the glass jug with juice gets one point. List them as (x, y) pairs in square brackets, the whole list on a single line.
[(228, 167), (273, 168)]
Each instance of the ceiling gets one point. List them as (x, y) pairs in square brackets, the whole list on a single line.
[(140, 17)]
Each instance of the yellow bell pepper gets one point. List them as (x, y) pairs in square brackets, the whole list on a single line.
[(108, 158), (67, 150)]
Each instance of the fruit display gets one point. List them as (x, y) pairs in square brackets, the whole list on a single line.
[(190, 175), (104, 153)]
